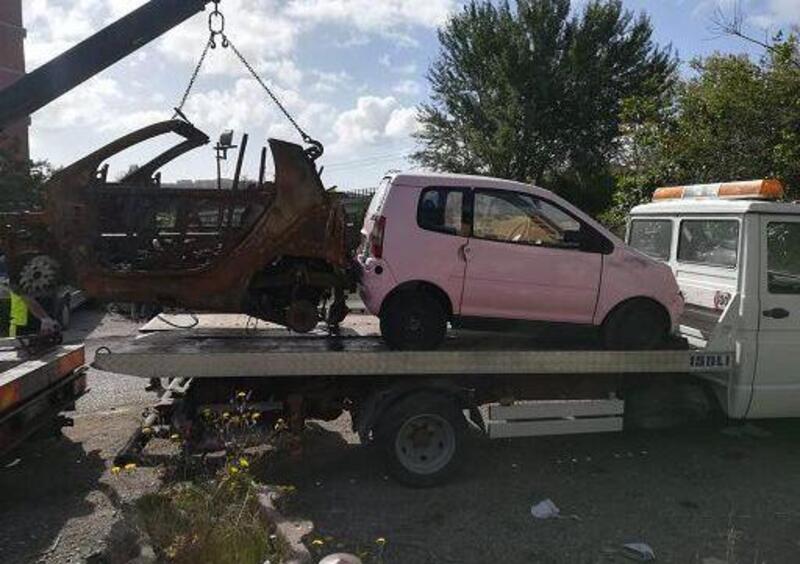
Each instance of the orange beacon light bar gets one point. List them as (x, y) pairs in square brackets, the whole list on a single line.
[(751, 189)]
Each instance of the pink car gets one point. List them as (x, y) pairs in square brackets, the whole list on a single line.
[(466, 249)]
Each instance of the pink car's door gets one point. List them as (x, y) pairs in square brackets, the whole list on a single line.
[(525, 261)]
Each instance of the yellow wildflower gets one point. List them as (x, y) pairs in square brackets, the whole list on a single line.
[(243, 463), (175, 437), (116, 470), (380, 541), (130, 467), (241, 395), (233, 470), (317, 542)]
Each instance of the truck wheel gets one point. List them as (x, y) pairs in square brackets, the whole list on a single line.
[(421, 439), (636, 325), (413, 321)]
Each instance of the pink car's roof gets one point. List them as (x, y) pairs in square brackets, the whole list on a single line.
[(447, 179)]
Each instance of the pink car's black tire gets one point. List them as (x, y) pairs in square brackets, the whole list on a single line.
[(636, 325), (413, 321)]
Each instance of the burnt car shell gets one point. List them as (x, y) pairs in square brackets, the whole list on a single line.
[(256, 249)]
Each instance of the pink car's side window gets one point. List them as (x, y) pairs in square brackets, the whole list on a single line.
[(442, 210), (513, 217)]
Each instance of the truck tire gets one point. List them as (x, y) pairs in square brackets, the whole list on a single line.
[(421, 438), (636, 325), (413, 321)]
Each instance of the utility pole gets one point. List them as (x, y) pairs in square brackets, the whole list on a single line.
[(12, 68)]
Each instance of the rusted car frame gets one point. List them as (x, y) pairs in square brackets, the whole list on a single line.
[(274, 250)]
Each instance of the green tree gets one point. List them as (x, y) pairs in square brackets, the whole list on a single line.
[(733, 119), (534, 93), (21, 181)]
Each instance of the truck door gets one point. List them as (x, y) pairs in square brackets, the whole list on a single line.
[(776, 387)]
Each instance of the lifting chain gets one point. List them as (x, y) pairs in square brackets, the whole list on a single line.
[(216, 27), (193, 79), (315, 149)]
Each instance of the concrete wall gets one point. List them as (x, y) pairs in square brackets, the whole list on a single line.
[(12, 66)]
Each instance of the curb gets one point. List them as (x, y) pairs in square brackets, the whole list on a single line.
[(290, 532)]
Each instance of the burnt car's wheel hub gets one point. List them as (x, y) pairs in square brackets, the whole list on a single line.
[(39, 276)]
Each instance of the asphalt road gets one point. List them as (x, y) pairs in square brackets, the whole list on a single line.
[(694, 495), (58, 499)]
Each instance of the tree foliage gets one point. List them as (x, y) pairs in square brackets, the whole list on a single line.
[(535, 92), (20, 181), (732, 119)]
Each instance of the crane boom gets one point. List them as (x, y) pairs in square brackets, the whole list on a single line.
[(91, 56)]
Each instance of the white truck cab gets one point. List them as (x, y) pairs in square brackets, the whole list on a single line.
[(735, 252)]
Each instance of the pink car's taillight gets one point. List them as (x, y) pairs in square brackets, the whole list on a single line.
[(376, 237)]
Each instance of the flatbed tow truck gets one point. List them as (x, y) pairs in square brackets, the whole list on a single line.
[(736, 354), (413, 404)]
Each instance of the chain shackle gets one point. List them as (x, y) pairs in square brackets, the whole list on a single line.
[(216, 26)]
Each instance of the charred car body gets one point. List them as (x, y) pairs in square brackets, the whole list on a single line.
[(273, 250)]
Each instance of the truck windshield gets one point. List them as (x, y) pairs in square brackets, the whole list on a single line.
[(652, 237), (712, 242)]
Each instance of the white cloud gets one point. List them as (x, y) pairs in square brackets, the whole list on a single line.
[(408, 88), (276, 36), (330, 82), (257, 27), (776, 14), (763, 14), (88, 106), (369, 15), (402, 123), (372, 121), (387, 61)]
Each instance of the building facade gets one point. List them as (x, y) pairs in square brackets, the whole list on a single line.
[(12, 67)]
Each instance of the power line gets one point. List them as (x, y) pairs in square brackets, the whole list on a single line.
[(366, 161)]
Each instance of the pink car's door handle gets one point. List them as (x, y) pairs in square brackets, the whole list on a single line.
[(464, 252)]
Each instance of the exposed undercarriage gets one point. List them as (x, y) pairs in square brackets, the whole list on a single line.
[(273, 250)]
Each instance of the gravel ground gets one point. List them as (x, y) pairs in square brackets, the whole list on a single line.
[(693, 495), (58, 500)]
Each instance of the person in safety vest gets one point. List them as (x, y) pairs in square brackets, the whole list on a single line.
[(22, 308)]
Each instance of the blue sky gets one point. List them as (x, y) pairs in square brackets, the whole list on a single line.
[(352, 71)]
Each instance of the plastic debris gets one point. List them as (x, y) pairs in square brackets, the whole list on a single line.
[(639, 551), (13, 463), (545, 509), (341, 558)]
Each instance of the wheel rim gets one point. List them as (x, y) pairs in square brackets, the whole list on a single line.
[(425, 444)]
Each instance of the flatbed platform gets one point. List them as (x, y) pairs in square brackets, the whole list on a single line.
[(227, 350)]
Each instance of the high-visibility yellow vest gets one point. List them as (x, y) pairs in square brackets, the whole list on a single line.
[(19, 314)]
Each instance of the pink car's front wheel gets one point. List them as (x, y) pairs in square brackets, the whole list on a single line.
[(638, 324)]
